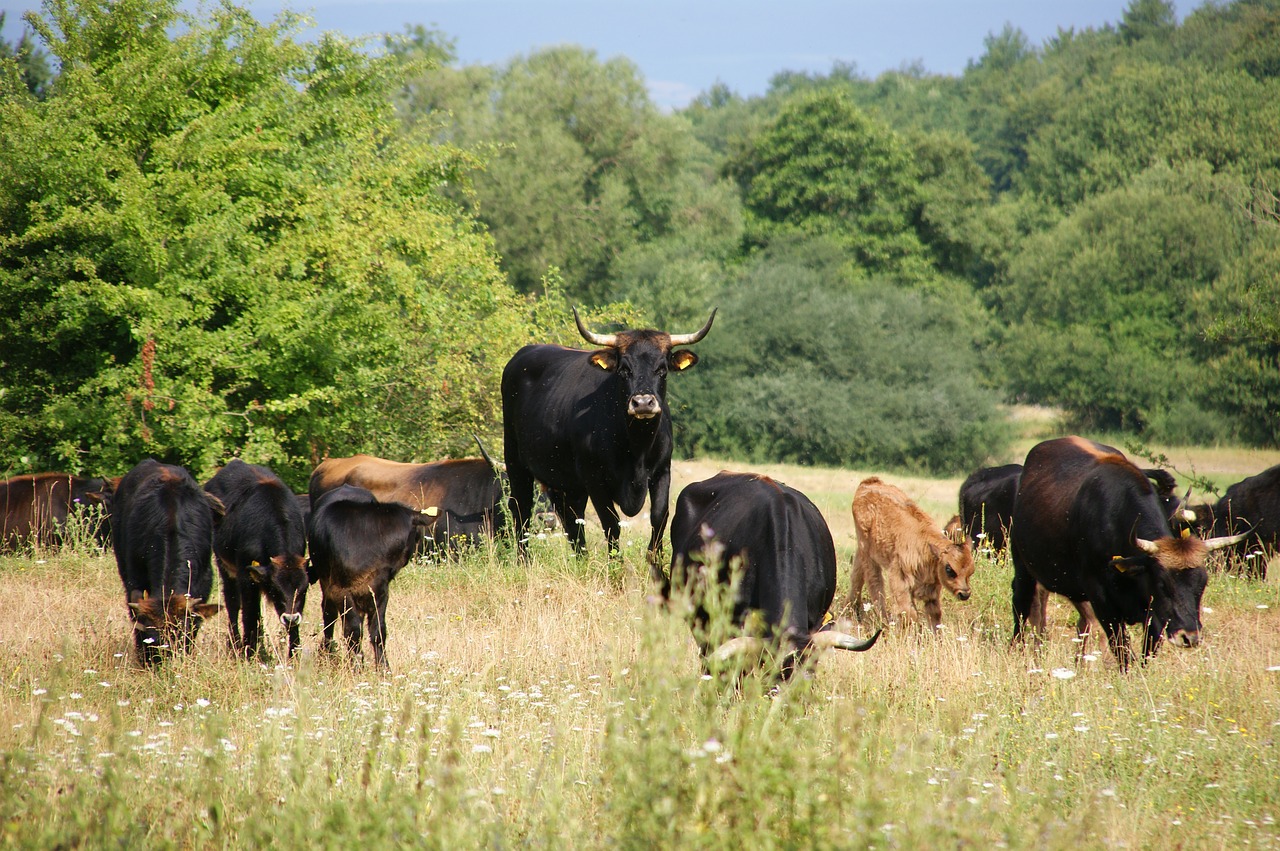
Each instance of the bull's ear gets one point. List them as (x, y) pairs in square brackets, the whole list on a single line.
[(606, 359), (205, 610), (1129, 564), (681, 359), (215, 504), (258, 569)]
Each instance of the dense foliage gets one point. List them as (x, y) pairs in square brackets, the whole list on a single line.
[(214, 243), (217, 239)]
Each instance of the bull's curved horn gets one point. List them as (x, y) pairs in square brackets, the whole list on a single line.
[(609, 340), (1148, 547), (690, 339), (1227, 540), (842, 641), (484, 453), (744, 646)]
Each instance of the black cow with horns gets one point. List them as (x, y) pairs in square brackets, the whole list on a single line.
[(594, 425), (788, 564), (1090, 525)]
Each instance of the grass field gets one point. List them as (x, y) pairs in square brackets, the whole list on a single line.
[(550, 705)]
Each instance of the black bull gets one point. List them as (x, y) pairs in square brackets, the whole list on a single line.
[(1089, 525), (594, 425), (788, 563)]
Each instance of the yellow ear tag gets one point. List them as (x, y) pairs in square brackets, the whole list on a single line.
[(1118, 563), (827, 618), (1186, 533), (255, 563), (433, 511)]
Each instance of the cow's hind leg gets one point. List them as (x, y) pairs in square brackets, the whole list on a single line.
[(520, 502), (608, 514), (572, 511), (1025, 601), (231, 599), (353, 629), (857, 580), (329, 612), (378, 626), (251, 606)]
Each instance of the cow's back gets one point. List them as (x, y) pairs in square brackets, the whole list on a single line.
[(986, 503), (558, 416), (1077, 499), (35, 507), (788, 555), (893, 528), (464, 486), (263, 517), (162, 526), (354, 535)]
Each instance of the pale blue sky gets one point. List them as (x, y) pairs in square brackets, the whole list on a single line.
[(682, 47)]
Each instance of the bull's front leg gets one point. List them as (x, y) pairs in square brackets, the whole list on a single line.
[(231, 599), (659, 510), (251, 606)]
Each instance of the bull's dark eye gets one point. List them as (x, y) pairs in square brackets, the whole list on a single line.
[(951, 574)]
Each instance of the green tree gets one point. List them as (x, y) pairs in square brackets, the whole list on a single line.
[(824, 168), (1148, 19), (212, 242), (24, 63), (1116, 126), (808, 366), (583, 165), (1112, 313)]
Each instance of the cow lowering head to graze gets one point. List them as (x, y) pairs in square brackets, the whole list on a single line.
[(34, 508), (594, 425), (358, 545), (787, 558), (986, 504), (1089, 525), (901, 545), (1250, 507), (261, 549), (469, 490), (162, 528)]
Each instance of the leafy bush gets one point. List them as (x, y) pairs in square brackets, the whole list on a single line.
[(213, 243), (803, 366)]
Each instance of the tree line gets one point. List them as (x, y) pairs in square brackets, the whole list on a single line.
[(218, 239)]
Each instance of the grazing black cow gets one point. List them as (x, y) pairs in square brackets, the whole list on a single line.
[(466, 493), (594, 425), (34, 508), (1252, 507), (1088, 524), (986, 505), (987, 495), (261, 549), (358, 545), (788, 563), (162, 527)]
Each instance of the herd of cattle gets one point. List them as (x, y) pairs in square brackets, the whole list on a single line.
[(1078, 518)]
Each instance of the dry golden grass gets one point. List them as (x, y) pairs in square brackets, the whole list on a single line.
[(549, 704)]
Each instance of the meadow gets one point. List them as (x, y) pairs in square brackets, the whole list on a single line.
[(551, 705)]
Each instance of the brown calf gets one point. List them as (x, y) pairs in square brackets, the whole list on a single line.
[(898, 539)]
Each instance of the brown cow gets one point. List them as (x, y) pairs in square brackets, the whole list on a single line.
[(467, 491), (34, 508), (896, 537)]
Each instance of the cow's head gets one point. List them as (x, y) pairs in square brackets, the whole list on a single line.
[(641, 360), (170, 624), (955, 564), (1173, 573), (284, 580)]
